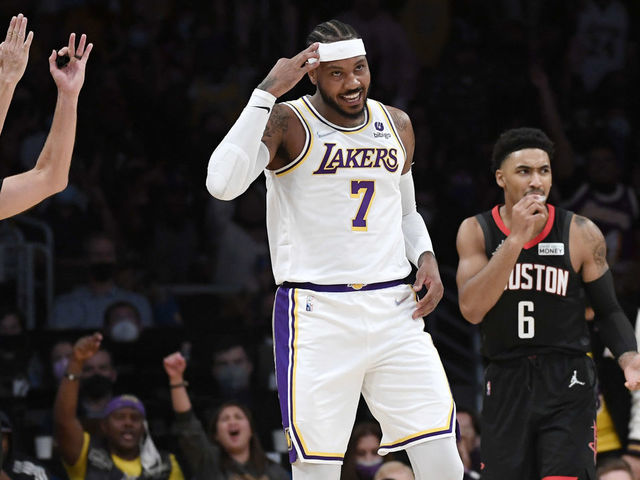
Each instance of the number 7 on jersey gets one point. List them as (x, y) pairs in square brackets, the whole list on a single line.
[(366, 188)]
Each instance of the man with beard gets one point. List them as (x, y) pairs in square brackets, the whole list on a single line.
[(125, 449), (343, 228), (525, 267)]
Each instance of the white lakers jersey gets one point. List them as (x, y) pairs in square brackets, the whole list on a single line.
[(334, 214)]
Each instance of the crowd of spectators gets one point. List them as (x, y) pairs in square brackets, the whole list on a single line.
[(167, 78)]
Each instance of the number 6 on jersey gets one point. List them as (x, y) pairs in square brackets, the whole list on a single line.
[(526, 323), (359, 222)]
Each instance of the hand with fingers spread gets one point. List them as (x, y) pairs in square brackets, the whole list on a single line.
[(287, 72), (428, 276), (14, 51), (70, 77)]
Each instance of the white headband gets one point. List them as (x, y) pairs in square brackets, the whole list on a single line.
[(341, 50)]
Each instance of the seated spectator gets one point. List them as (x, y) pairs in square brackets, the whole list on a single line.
[(125, 450), (232, 369), (20, 368), (230, 449), (97, 382), (361, 459), (59, 359), (14, 465), (122, 322), (85, 306), (614, 468), (394, 471)]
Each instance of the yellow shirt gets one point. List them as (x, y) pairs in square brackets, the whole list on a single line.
[(132, 468), (608, 439)]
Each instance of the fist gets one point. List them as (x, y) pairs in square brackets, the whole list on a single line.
[(175, 365)]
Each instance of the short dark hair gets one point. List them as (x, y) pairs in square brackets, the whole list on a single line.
[(332, 31), (517, 139)]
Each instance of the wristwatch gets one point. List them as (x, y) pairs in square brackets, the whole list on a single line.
[(71, 376)]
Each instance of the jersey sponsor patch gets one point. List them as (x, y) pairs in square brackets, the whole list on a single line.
[(551, 249)]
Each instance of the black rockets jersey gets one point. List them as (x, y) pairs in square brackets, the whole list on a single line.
[(542, 308)]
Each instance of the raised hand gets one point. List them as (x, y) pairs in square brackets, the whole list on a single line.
[(287, 72), (70, 77), (86, 347), (175, 365), (14, 51)]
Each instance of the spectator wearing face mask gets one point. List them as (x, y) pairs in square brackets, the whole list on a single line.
[(125, 449), (122, 322), (97, 382), (84, 307), (232, 371), (361, 459), (230, 449)]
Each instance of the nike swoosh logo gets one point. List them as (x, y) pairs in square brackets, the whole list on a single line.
[(264, 108), (325, 134)]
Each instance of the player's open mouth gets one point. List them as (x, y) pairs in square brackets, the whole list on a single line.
[(352, 98), (234, 433)]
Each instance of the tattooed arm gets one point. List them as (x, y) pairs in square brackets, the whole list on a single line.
[(588, 249), (587, 241), (405, 130)]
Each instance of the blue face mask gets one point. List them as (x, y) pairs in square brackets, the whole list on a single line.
[(366, 470)]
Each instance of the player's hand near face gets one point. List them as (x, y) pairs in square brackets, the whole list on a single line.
[(287, 72), (526, 217), (428, 276), (14, 51), (70, 77)]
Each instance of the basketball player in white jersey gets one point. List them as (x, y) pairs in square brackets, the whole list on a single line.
[(50, 174), (343, 226)]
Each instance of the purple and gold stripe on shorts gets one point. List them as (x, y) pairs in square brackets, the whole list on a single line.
[(419, 437), (350, 287), (285, 331)]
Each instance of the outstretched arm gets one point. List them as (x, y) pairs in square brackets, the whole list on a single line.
[(68, 430), (14, 55), (247, 149), (50, 174)]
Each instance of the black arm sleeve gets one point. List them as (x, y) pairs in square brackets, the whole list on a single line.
[(613, 326)]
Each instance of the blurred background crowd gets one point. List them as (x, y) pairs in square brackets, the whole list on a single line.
[(136, 248)]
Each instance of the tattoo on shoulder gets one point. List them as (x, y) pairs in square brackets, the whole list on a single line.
[(278, 121), (594, 239), (400, 119)]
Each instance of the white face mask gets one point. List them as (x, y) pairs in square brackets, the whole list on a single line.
[(125, 331)]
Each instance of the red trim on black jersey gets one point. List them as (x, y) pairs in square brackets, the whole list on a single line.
[(495, 213), (556, 477)]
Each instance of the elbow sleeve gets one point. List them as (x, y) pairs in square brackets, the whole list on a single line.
[(613, 326), (416, 236), (241, 156)]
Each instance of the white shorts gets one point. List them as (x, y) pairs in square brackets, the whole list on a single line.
[(331, 346)]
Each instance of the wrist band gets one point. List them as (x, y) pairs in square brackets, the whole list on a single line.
[(178, 385)]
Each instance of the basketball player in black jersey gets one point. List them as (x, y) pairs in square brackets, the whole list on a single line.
[(525, 274)]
